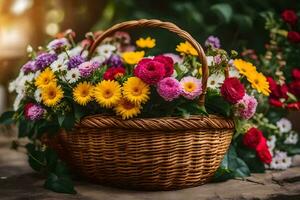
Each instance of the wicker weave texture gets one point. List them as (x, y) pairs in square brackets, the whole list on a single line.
[(131, 157)]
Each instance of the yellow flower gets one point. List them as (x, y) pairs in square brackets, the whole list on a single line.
[(145, 43), (244, 68), (126, 109), (45, 78), (136, 91), (83, 93), (259, 82), (186, 48), (107, 93), (133, 57), (52, 94)]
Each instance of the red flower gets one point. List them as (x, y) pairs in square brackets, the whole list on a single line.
[(277, 91), (275, 102), (113, 72), (293, 37), (295, 88), (232, 90), (289, 16), (272, 83), (263, 152), (150, 71), (252, 138), (294, 106), (168, 64), (296, 74)]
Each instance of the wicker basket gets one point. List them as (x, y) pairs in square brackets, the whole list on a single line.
[(148, 154)]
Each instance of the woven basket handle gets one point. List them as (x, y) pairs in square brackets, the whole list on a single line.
[(165, 25)]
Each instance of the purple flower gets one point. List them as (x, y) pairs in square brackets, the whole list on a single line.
[(58, 44), (213, 41), (87, 68), (29, 67), (33, 111), (217, 59), (246, 107), (114, 61), (44, 60), (169, 88), (75, 61)]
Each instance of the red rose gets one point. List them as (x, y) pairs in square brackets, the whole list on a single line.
[(263, 152), (232, 90), (289, 16), (277, 91), (293, 36), (113, 72), (295, 88), (168, 64), (296, 74), (252, 138), (272, 83), (294, 106), (275, 102)]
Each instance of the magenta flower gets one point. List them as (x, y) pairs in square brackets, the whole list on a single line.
[(33, 111), (150, 71), (213, 41), (246, 107), (191, 87), (87, 68), (169, 88)]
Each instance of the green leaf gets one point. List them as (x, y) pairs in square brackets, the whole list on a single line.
[(7, 118), (244, 22), (214, 103), (36, 158), (25, 128), (51, 158), (224, 11), (59, 184)]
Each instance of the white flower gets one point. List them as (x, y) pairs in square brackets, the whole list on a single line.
[(73, 75), (284, 125), (280, 161), (210, 60), (18, 100), (215, 81), (38, 95), (292, 138), (99, 59), (233, 72), (75, 51), (59, 65), (106, 50), (271, 142)]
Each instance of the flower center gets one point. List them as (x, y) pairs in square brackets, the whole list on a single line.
[(190, 87), (52, 94), (84, 93), (107, 94), (136, 91), (127, 105)]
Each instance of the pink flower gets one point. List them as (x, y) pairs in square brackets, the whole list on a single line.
[(33, 111), (175, 57), (168, 64), (246, 107), (191, 87), (169, 88), (150, 71), (87, 68)]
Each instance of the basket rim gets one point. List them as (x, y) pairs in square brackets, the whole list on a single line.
[(100, 121)]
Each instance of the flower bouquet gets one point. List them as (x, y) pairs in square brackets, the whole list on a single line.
[(118, 115)]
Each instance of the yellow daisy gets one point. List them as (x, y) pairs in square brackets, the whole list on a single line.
[(45, 78), (145, 43), (186, 48), (126, 109), (83, 93), (135, 90), (259, 82), (107, 93), (52, 94), (244, 68), (133, 57)]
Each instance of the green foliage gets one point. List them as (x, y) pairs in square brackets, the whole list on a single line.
[(216, 104), (224, 10), (7, 118), (231, 166)]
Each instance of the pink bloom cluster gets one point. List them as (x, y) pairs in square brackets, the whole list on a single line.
[(246, 107), (87, 68), (33, 111), (191, 87), (169, 88)]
